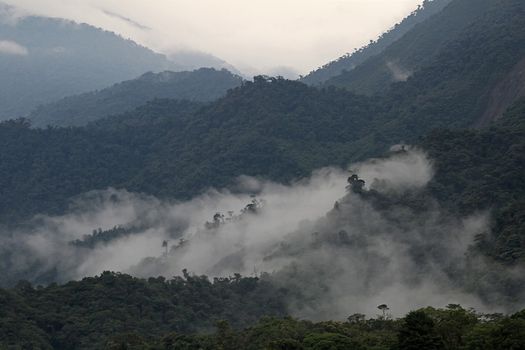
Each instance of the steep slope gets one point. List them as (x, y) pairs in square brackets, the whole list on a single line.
[(54, 164), (205, 84), (266, 128), (348, 62), (270, 127), (480, 170), (416, 49), (508, 90), (454, 89)]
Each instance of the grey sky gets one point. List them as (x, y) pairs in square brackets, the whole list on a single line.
[(257, 36)]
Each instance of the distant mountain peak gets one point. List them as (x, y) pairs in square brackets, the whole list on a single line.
[(63, 58)]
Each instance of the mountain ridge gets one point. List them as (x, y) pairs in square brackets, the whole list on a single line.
[(201, 85), (359, 56), (56, 58), (414, 49)]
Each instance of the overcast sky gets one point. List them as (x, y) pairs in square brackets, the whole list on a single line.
[(254, 35)]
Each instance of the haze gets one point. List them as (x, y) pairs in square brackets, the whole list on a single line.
[(272, 36)]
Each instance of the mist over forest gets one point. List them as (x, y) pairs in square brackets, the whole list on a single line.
[(292, 232), (377, 202)]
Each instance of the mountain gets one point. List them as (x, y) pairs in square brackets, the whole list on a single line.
[(273, 128), (414, 50), (202, 85), (480, 169), (349, 61), (45, 59), (436, 217), (179, 154), (458, 86)]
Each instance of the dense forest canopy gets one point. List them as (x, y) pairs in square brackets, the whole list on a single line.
[(204, 178), (167, 314)]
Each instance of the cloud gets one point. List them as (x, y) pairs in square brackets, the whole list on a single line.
[(12, 48), (398, 73), (47, 246), (126, 19), (255, 36), (397, 172), (10, 15), (286, 72), (336, 251)]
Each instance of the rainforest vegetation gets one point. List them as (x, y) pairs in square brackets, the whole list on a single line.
[(442, 92)]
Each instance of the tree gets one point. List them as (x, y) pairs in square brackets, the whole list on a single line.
[(355, 184), (384, 308), (356, 318), (330, 341), (418, 332)]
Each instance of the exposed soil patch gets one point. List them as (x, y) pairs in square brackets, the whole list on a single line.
[(504, 94)]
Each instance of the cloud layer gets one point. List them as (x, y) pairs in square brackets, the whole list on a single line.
[(12, 48), (256, 36), (337, 251)]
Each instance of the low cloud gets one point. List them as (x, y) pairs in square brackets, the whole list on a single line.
[(12, 48), (126, 20), (397, 172), (338, 251), (293, 33), (398, 72), (10, 15)]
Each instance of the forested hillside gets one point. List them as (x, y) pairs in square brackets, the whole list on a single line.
[(416, 49), (273, 128), (55, 164), (454, 90), (480, 170), (180, 155), (202, 85), (351, 60), (422, 202)]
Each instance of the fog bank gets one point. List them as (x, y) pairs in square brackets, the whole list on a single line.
[(338, 251)]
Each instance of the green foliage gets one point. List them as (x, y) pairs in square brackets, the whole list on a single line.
[(282, 130), (119, 311), (422, 329), (176, 149), (418, 332), (329, 341), (481, 170)]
